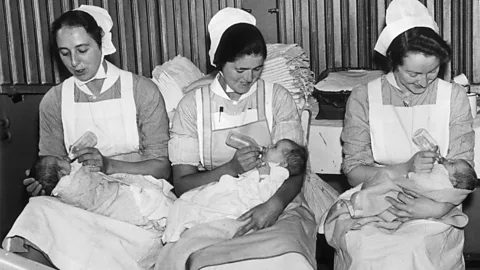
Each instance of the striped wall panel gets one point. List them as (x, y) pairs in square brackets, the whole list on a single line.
[(334, 33), (342, 33), (146, 33)]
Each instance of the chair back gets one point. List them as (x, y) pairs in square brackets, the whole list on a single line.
[(305, 118)]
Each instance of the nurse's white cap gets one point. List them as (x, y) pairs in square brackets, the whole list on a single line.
[(103, 19), (401, 16), (221, 21)]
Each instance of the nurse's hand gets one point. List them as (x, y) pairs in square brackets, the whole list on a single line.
[(422, 161), (412, 205), (91, 157), (245, 159), (34, 188), (261, 216)]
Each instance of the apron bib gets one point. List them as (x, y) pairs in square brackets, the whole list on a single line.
[(113, 121), (392, 128), (213, 129)]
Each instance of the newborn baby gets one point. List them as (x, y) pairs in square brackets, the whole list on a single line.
[(231, 197), (459, 172), (368, 199), (137, 199)]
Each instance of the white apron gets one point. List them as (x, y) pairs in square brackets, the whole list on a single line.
[(114, 121), (392, 128), (419, 244)]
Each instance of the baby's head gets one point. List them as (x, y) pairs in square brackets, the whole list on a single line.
[(48, 170), (461, 173), (288, 154)]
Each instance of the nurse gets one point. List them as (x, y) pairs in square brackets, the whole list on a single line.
[(382, 116), (238, 100), (125, 110), (127, 113)]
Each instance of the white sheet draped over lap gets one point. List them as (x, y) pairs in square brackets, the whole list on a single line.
[(103, 236), (75, 238)]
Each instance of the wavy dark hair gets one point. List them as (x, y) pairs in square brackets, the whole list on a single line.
[(237, 41), (418, 40)]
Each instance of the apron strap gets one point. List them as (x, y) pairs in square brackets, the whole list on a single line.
[(444, 92), (68, 90), (268, 104), (199, 101), (206, 127), (375, 92)]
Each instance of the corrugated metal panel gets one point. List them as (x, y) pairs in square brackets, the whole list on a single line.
[(334, 33), (146, 33), (342, 33)]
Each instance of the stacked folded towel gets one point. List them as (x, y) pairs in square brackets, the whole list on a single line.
[(346, 80), (172, 77), (289, 66)]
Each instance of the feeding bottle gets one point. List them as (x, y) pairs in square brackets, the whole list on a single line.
[(238, 140), (426, 142)]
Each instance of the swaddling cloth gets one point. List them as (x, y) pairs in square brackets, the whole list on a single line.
[(88, 139), (136, 199), (230, 197)]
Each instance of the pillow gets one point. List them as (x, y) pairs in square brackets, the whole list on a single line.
[(172, 77)]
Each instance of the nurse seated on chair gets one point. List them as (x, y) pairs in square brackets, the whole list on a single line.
[(127, 113), (238, 100), (382, 116)]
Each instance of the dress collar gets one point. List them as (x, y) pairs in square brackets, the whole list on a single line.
[(391, 79), (216, 88), (111, 75), (99, 75)]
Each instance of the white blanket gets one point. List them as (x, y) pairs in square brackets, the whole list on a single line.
[(137, 199), (230, 197), (75, 238)]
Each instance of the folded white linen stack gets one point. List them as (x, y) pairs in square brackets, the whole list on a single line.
[(172, 77), (289, 66)]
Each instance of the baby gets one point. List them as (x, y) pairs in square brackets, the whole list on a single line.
[(231, 197), (137, 199), (450, 182), (458, 171)]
